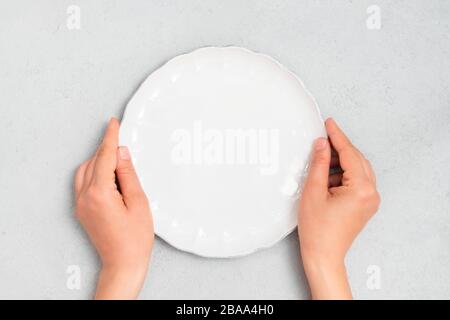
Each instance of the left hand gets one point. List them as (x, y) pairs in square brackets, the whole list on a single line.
[(116, 215)]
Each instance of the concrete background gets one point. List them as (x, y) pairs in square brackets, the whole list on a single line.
[(389, 88)]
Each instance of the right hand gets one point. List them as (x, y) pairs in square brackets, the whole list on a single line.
[(333, 210)]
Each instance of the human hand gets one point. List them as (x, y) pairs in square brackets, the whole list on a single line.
[(114, 211), (333, 210)]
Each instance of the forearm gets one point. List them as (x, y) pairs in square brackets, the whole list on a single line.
[(327, 279)]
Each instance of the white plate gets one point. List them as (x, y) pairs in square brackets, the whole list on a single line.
[(220, 138)]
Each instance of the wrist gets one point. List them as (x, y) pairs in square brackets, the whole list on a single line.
[(125, 267), (329, 263), (323, 267), (327, 277), (121, 281)]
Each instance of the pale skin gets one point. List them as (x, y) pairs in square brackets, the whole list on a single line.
[(119, 223), (333, 210), (114, 211)]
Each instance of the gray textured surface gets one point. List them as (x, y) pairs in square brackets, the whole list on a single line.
[(389, 89)]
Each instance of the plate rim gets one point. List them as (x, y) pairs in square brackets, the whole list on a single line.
[(267, 244)]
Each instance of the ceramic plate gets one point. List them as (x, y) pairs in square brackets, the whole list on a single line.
[(221, 138)]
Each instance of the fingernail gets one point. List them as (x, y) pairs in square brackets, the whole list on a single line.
[(124, 153), (113, 119), (320, 144)]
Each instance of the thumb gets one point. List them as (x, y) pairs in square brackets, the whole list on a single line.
[(128, 180), (317, 181)]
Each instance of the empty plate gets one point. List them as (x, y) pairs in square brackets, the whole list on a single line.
[(221, 138)]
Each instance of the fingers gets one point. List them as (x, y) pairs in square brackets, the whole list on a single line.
[(316, 184), (79, 178), (90, 169), (369, 171), (106, 157), (128, 180), (334, 159), (350, 158), (334, 180)]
